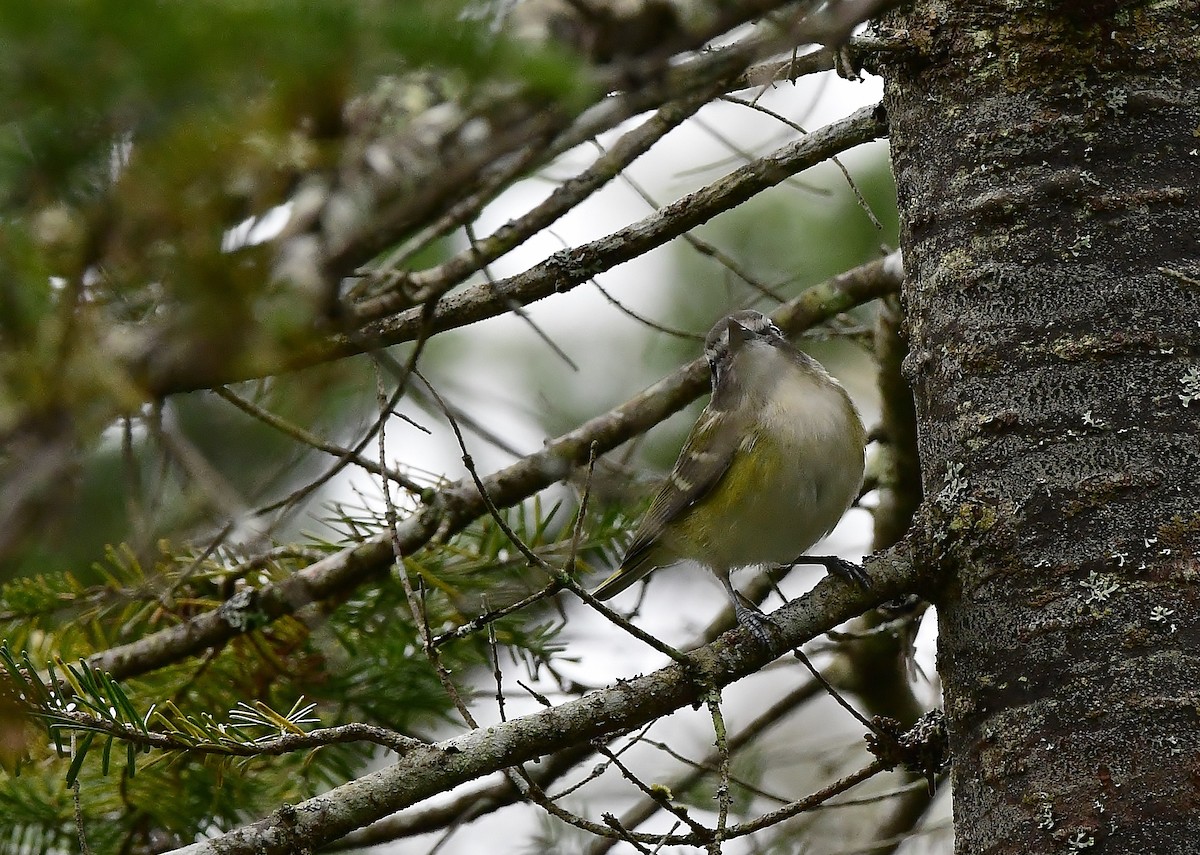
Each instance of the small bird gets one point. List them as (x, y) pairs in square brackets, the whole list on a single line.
[(771, 465)]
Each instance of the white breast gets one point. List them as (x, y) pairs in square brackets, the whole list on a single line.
[(809, 441)]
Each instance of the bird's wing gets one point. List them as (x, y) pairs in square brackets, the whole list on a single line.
[(704, 460)]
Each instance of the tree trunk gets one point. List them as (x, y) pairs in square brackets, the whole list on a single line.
[(1047, 157)]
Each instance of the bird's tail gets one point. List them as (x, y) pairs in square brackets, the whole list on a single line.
[(625, 575)]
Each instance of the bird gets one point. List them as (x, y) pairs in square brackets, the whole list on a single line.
[(771, 465)]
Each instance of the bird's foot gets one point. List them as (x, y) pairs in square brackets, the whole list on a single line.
[(754, 621), (848, 570), (846, 64)]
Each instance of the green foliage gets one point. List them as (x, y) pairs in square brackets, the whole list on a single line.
[(38, 815), (136, 136), (75, 72), (359, 661)]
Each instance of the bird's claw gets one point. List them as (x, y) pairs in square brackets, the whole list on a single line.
[(755, 622), (847, 570)]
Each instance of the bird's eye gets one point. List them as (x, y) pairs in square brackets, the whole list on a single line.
[(764, 327), (759, 324)]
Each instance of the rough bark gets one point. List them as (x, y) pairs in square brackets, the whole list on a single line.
[(1047, 161)]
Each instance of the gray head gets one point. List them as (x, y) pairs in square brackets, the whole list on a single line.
[(743, 333), (732, 332)]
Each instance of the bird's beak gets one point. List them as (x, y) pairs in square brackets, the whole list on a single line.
[(738, 335)]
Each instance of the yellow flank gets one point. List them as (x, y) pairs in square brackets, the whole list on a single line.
[(705, 526)]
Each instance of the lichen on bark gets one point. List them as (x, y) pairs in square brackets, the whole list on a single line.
[(1046, 162)]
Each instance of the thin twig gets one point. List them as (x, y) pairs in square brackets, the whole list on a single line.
[(515, 307), (80, 832), (808, 802), (311, 440), (386, 272), (489, 617), (167, 597), (642, 319), (741, 155), (836, 695), (600, 768), (536, 560), (294, 498), (663, 841), (568, 268), (615, 824), (577, 530), (424, 400), (496, 673), (713, 700), (609, 829), (625, 310), (566, 197), (862, 202), (420, 615), (699, 244), (135, 509), (401, 375), (79, 721), (662, 799), (775, 713), (712, 764), (219, 493)]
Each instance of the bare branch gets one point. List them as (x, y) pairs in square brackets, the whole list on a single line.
[(454, 507), (568, 268), (464, 808), (390, 184), (772, 715), (724, 796), (560, 272), (428, 770), (407, 289)]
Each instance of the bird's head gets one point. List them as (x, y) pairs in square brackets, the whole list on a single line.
[(733, 334)]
